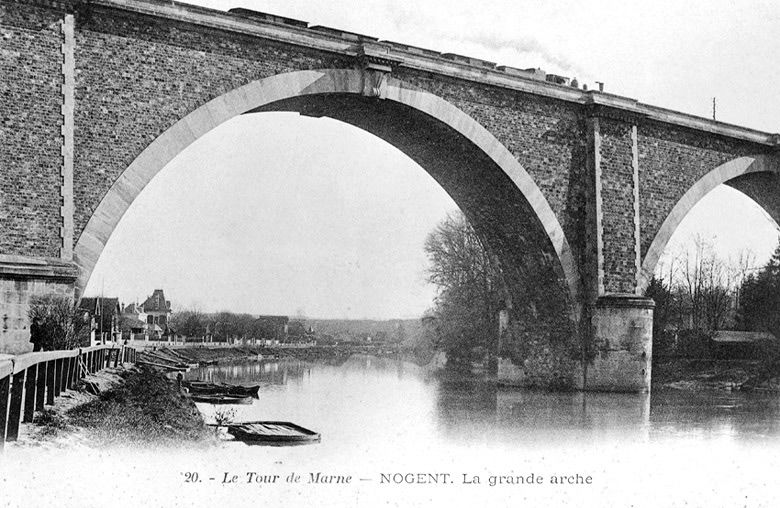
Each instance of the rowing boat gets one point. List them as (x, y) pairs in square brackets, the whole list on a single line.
[(222, 398), (205, 388), (272, 433)]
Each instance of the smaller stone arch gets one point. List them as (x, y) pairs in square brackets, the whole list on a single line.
[(737, 173)]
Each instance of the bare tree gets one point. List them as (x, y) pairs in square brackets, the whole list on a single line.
[(61, 323), (470, 286), (704, 286)]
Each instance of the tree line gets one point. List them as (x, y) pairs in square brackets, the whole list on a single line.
[(699, 290), (225, 325)]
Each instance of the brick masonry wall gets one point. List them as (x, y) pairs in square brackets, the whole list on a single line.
[(30, 118), (547, 137), (617, 195), (137, 76), (671, 160)]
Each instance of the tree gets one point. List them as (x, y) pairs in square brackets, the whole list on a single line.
[(295, 330), (189, 322), (662, 296), (704, 287), (62, 325), (399, 334), (760, 298), (469, 284)]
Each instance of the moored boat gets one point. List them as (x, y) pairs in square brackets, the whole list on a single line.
[(272, 433), (221, 398), (205, 388)]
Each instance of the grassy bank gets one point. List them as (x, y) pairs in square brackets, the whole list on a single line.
[(146, 408)]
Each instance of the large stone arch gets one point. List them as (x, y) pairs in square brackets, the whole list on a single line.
[(500, 198), (756, 176), (264, 94)]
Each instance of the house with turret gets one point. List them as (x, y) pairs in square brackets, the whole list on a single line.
[(158, 312), (148, 320)]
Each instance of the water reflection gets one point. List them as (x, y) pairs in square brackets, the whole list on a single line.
[(256, 372), (366, 395), (716, 414)]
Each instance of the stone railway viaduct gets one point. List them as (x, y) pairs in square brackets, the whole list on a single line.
[(574, 192)]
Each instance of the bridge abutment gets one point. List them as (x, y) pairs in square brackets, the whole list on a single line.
[(21, 279)]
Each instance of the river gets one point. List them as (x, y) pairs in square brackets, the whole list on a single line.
[(378, 416), (365, 397), (394, 434)]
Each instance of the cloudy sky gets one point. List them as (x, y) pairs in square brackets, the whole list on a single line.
[(275, 213)]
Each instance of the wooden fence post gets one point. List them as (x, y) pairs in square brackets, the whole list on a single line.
[(5, 385), (40, 389), (75, 373), (15, 407), (65, 372), (63, 375), (50, 382), (57, 377), (30, 383), (69, 372)]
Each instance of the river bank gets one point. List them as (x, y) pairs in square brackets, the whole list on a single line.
[(134, 406), (203, 354), (708, 374)]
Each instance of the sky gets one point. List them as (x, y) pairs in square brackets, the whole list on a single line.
[(280, 214)]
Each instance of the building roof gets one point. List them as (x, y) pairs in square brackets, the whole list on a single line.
[(100, 305), (132, 308), (157, 302)]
